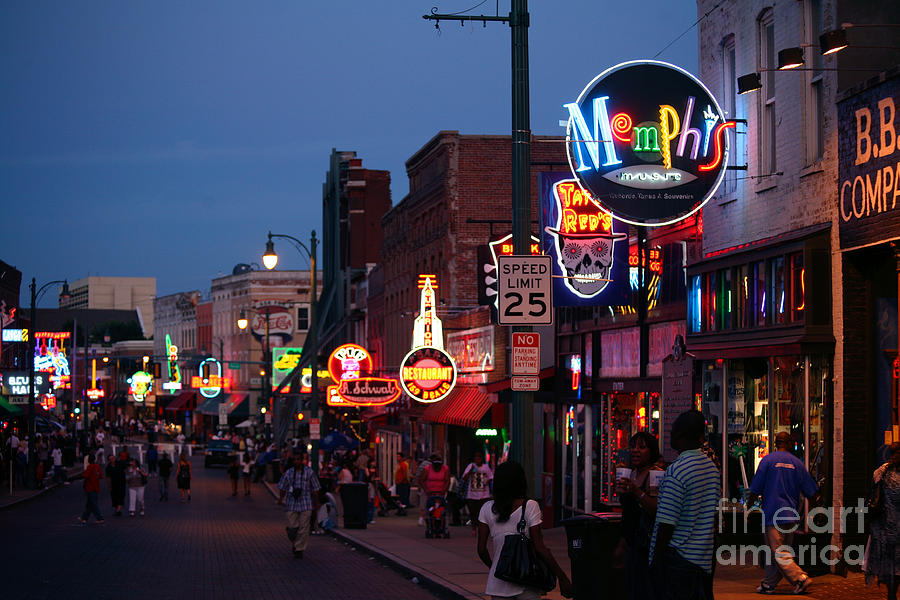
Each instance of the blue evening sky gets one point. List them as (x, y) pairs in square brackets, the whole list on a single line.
[(166, 138)]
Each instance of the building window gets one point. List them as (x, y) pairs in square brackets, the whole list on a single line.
[(815, 110), (302, 318), (729, 104), (766, 61)]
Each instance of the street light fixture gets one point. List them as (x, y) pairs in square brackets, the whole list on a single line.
[(270, 260), (36, 294), (242, 321)]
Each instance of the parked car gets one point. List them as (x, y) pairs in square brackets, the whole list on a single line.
[(218, 452)]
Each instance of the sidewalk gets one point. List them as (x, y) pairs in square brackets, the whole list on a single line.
[(20, 494), (452, 564)]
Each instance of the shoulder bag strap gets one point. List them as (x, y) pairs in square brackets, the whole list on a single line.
[(523, 525)]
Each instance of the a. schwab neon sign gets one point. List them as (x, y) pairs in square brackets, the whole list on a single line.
[(646, 140)]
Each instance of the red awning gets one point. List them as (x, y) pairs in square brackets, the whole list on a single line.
[(464, 406), (184, 401)]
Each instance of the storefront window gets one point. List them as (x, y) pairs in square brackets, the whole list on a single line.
[(819, 403), (759, 283), (748, 421), (695, 305), (798, 286), (780, 309), (725, 299), (790, 405), (739, 285), (709, 300)]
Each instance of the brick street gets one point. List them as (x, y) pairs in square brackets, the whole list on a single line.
[(215, 546)]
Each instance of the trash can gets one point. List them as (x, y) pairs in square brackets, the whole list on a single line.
[(355, 498), (591, 542)]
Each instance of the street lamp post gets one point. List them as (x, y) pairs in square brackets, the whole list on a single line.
[(270, 260), (267, 381), (36, 293)]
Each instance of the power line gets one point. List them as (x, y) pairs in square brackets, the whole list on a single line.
[(709, 12)]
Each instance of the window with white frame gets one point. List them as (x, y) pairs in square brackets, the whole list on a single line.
[(815, 110), (729, 105), (767, 66)]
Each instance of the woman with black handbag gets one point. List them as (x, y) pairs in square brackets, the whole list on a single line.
[(522, 566), (883, 551)]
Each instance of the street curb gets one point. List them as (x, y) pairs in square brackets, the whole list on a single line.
[(38, 494), (430, 581)]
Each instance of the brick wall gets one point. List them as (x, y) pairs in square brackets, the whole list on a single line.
[(453, 178)]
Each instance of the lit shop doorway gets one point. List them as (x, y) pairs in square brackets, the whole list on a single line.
[(622, 415), (747, 402)]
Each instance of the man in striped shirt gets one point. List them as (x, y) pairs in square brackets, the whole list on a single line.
[(681, 551)]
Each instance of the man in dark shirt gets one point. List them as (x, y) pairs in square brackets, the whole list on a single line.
[(92, 476), (165, 470)]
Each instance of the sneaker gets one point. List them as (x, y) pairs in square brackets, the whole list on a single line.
[(142, 512), (765, 589), (421, 522), (131, 512), (100, 521), (803, 585), (82, 521)]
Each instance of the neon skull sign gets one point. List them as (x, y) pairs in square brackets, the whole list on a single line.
[(584, 239)]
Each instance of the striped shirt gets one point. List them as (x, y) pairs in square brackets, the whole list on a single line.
[(688, 495)]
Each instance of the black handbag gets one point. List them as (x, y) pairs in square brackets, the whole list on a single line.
[(519, 562), (875, 501)]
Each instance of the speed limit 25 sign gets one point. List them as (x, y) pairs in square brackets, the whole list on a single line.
[(525, 290)]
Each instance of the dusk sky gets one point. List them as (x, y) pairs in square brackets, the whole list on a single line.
[(165, 138)]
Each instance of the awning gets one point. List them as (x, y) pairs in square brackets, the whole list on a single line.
[(237, 405), (8, 410), (464, 406), (210, 406), (184, 401)]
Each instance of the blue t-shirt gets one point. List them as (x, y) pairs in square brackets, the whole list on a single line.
[(780, 479)]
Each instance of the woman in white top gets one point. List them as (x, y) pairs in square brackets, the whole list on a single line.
[(500, 517)]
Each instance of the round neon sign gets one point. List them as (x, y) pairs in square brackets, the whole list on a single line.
[(647, 141), (349, 361), (427, 374)]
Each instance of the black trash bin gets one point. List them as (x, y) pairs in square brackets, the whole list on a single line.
[(355, 498), (591, 541)]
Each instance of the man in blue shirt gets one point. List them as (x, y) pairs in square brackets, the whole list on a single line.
[(780, 478)]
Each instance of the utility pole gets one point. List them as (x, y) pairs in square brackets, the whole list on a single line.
[(522, 449)]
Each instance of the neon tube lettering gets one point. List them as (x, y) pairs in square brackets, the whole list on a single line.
[(602, 133), (689, 131), (668, 131), (719, 151)]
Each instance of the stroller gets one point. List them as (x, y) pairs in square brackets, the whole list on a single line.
[(436, 518), (388, 502)]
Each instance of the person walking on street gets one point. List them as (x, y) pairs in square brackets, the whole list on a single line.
[(92, 476), (478, 476), (115, 471), (136, 478), (499, 518), (152, 458), (59, 475), (883, 551), (183, 477), (401, 480), (780, 479), (234, 473), (165, 470), (300, 486), (247, 462), (681, 548)]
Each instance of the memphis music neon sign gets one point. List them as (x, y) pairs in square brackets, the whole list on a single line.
[(647, 141)]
